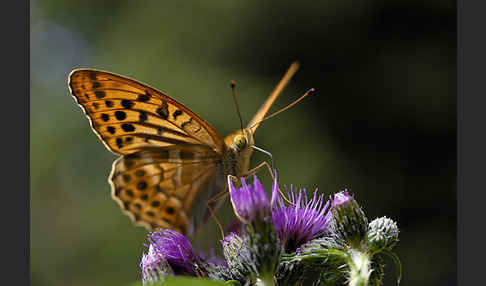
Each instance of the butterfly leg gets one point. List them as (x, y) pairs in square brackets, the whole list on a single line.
[(215, 198), (269, 169), (213, 214), (225, 192)]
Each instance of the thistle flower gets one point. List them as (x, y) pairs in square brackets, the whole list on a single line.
[(154, 267), (308, 241), (253, 209), (251, 202), (301, 221), (177, 251), (349, 221)]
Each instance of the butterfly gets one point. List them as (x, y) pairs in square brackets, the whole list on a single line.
[(171, 162)]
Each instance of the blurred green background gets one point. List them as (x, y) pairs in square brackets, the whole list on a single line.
[(382, 123)]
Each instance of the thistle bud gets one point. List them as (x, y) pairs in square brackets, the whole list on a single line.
[(239, 258), (349, 221), (382, 233)]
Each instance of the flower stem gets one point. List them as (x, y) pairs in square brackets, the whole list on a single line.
[(267, 280), (359, 264)]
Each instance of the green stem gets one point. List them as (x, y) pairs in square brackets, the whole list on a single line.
[(359, 265), (267, 280)]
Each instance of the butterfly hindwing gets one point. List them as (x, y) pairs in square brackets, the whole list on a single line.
[(129, 116), (164, 187)]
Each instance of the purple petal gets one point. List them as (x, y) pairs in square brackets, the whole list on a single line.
[(341, 198), (301, 221), (176, 249)]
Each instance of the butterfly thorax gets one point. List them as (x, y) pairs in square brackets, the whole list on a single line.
[(236, 160)]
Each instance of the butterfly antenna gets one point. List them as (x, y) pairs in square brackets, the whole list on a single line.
[(285, 108), (255, 121), (233, 89)]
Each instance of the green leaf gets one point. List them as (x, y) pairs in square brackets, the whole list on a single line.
[(398, 264)]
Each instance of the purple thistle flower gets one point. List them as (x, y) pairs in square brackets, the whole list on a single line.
[(251, 202), (301, 221), (176, 250), (341, 198), (154, 267)]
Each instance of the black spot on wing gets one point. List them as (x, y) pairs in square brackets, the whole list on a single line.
[(126, 178), (96, 84), (95, 105), (120, 115), (110, 129), (183, 125), (163, 111), (99, 93), (92, 75), (176, 113), (170, 210), (142, 185), (142, 117), (105, 117), (128, 127), (127, 103), (144, 97), (158, 189), (119, 143), (129, 193), (109, 103), (129, 163)]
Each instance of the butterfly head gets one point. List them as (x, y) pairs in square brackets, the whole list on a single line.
[(242, 141)]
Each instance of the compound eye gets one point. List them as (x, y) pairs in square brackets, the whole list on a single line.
[(240, 141)]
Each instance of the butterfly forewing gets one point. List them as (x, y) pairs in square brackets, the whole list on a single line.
[(129, 116), (171, 163)]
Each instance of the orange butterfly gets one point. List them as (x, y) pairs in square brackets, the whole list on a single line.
[(172, 161)]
